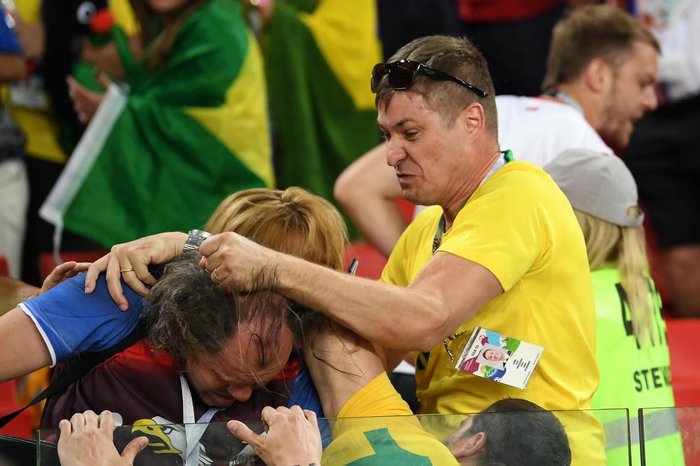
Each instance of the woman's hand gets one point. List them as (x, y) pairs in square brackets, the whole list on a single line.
[(130, 261), (85, 101), (292, 436), (86, 440)]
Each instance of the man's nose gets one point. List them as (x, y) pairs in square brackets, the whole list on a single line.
[(394, 153), (650, 99), (240, 392)]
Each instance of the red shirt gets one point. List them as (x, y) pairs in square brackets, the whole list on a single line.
[(491, 11)]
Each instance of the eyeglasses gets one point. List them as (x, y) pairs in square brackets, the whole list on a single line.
[(401, 74)]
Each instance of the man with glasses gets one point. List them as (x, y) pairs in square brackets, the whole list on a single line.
[(600, 80), (499, 249)]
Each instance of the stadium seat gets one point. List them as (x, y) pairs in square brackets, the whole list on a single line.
[(406, 208), (684, 346), (21, 426), (372, 261), (4, 267)]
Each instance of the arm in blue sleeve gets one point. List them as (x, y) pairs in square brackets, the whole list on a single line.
[(72, 322)]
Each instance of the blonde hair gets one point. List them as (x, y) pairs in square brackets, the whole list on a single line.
[(607, 243), (292, 221)]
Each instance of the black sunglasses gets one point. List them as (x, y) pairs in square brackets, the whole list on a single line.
[(401, 74)]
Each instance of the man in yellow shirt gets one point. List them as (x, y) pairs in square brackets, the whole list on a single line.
[(500, 249)]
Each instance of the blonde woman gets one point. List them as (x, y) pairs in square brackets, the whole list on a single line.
[(631, 348)]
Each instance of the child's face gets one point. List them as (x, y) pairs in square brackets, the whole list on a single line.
[(494, 355)]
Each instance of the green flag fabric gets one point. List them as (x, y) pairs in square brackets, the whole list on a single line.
[(318, 68), (163, 153)]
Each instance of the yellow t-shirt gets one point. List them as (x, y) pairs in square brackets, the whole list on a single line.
[(376, 427), (521, 227)]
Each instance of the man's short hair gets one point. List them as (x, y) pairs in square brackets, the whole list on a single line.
[(456, 56), (189, 314), (519, 432), (593, 31)]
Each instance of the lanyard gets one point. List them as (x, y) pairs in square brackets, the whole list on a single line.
[(440, 231), (193, 431), (565, 98)]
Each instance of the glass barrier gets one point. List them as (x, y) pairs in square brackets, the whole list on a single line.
[(669, 436), (404, 440)]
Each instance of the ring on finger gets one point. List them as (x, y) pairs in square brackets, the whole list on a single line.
[(127, 269), (215, 276)]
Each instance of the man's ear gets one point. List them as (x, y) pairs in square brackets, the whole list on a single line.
[(469, 447), (473, 117), (597, 75)]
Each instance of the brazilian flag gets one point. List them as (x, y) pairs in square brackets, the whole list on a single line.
[(161, 154), (319, 56)]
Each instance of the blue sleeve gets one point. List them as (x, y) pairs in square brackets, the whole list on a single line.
[(72, 322), (304, 394), (8, 40)]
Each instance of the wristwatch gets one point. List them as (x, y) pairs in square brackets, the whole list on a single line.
[(194, 239)]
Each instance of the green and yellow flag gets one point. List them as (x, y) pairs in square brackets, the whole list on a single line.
[(163, 153), (319, 56)]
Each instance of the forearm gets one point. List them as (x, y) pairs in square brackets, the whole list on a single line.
[(390, 316), (381, 224), (13, 292)]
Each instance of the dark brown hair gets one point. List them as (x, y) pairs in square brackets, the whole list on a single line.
[(158, 32), (593, 31)]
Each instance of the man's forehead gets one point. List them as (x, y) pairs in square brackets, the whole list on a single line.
[(243, 356), (402, 107), (642, 57)]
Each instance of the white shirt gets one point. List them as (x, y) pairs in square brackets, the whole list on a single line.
[(537, 129), (676, 24)]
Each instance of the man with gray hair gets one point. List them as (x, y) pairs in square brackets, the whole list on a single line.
[(211, 355)]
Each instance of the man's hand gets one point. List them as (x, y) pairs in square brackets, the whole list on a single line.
[(63, 272), (86, 440), (130, 261), (234, 260), (292, 437)]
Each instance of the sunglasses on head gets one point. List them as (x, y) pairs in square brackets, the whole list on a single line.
[(401, 74)]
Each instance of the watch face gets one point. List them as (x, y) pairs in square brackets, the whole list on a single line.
[(194, 239)]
